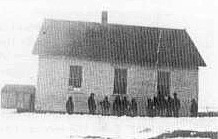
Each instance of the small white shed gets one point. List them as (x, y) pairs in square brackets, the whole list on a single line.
[(19, 97)]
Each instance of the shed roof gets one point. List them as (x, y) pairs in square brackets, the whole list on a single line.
[(117, 43), (19, 88)]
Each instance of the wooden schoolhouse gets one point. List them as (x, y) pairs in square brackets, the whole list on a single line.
[(77, 58)]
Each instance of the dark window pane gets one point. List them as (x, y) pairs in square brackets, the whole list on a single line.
[(163, 85), (75, 76), (120, 81)]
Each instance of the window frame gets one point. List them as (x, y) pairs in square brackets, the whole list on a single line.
[(123, 73), (162, 84), (75, 81)]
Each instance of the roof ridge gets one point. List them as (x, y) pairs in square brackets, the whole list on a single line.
[(114, 24)]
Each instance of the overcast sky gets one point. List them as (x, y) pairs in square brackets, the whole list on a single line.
[(21, 20)]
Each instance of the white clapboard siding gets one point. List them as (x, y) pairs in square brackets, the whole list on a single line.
[(98, 77)]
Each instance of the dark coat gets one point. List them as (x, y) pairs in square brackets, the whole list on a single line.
[(161, 103), (91, 104), (194, 108), (150, 104), (117, 106), (176, 104), (106, 104), (69, 106), (155, 103), (125, 106), (134, 107), (169, 103)]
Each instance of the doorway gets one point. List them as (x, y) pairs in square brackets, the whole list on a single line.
[(163, 82), (120, 81)]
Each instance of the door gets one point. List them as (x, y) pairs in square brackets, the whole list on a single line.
[(120, 81), (163, 85)]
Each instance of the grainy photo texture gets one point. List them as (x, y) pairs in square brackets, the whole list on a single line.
[(108, 69)]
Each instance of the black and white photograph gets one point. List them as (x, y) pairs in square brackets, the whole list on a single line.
[(108, 69)]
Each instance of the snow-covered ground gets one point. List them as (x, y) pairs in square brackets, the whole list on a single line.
[(61, 126)]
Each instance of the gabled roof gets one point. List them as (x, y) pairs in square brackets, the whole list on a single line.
[(117, 43)]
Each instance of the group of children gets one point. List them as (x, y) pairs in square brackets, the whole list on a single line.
[(124, 106), (160, 105), (167, 106), (164, 106), (119, 106)]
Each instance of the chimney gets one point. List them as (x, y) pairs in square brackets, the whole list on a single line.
[(104, 17)]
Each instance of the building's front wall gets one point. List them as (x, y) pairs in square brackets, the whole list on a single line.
[(98, 77), (185, 84), (53, 83), (141, 85), (8, 100)]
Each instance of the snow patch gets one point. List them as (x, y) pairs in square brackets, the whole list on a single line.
[(64, 126)]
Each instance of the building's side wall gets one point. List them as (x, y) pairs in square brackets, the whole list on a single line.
[(51, 84), (98, 77)]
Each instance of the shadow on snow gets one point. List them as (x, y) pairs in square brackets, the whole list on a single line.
[(187, 133)]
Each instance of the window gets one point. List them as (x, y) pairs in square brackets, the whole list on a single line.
[(75, 79), (120, 81), (163, 85)]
